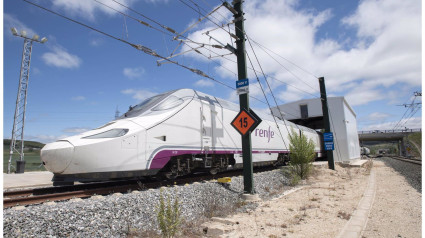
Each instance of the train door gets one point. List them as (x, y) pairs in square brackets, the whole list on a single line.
[(206, 127)]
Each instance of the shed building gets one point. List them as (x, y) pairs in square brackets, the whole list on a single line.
[(308, 112)]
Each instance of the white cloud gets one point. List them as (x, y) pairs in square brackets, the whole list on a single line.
[(378, 116), (45, 138), (139, 94), (204, 83), (363, 95), (11, 21), (156, 1), (76, 130), (412, 123), (385, 50), (88, 9), (59, 57), (79, 98), (133, 73), (96, 42)]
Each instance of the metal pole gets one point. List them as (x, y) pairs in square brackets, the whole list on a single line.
[(20, 108), (21, 101), (243, 98), (326, 122)]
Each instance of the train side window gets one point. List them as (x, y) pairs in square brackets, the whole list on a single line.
[(170, 102)]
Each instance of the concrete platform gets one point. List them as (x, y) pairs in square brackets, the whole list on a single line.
[(358, 162), (353, 163), (358, 221), (27, 179)]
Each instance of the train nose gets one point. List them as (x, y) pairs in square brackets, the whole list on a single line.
[(57, 156)]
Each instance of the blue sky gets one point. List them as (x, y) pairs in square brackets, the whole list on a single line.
[(368, 51)]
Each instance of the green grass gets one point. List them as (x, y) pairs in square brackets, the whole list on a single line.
[(392, 147), (32, 162), (32, 158), (417, 139)]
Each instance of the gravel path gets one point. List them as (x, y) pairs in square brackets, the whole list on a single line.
[(397, 209), (326, 203), (320, 208)]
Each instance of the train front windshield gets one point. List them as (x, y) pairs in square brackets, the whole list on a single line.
[(156, 103)]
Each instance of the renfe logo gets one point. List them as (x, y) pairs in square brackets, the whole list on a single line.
[(265, 133)]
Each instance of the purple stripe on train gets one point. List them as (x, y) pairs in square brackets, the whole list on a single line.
[(162, 157)]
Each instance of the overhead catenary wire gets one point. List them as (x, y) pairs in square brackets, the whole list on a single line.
[(192, 48), (197, 11), (293, 74), (142, 48), (306, 92), (271, 92), (217, 55), (265, 48), (268, 104), (404, 121), (412, 107)]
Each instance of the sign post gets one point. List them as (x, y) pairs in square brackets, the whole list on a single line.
[(246, 121), (243, 97), (242, 86), (326, 122), (328, 138)]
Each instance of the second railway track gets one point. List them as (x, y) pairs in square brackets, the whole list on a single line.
[(412, 161)]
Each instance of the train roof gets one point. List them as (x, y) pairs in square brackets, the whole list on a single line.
[(191, 93)]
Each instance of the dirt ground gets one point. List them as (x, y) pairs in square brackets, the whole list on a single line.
[(397, 210), (324, 204)]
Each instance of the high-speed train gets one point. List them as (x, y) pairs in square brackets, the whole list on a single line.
[(171, 134)]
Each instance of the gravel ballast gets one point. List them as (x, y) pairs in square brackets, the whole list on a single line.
[(117, 215)]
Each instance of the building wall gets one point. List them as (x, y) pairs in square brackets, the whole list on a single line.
[(343, 124), (352, 134)]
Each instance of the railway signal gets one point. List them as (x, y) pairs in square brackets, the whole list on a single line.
[(245, 121)]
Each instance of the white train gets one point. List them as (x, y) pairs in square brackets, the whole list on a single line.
[(172, 134)]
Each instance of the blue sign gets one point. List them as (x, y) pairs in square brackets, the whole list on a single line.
[(329, 145), (242, 83), (242, 86), (328, 136)]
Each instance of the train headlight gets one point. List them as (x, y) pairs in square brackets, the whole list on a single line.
[(108, 134)]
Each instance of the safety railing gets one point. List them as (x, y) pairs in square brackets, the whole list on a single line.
[(390, 131)]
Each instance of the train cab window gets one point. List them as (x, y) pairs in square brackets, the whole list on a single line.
[(144, 106), (171, 102)]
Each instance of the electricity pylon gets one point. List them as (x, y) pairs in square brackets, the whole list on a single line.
[(17, 141)]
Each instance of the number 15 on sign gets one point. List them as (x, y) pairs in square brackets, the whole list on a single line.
[(245, 121)]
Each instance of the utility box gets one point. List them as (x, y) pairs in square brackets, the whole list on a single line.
[(20, 166), (308, 112)]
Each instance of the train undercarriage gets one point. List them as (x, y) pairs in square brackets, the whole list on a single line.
[(185, 164)]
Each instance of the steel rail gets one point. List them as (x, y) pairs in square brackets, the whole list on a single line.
[(41, 195), (412, 161)]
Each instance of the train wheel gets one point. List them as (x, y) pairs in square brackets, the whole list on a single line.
[(170, 175), (213, 171)]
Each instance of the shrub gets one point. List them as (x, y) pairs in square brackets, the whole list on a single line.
[(301, 155), (168, 216)]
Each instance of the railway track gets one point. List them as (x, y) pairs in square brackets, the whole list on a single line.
[(41, 195), (413, 161)]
